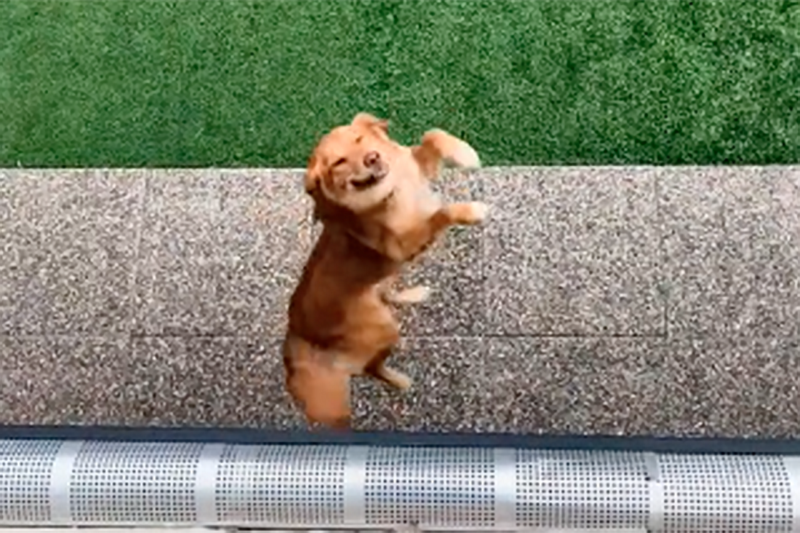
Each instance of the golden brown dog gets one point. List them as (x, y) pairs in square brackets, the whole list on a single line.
[(378, 211)]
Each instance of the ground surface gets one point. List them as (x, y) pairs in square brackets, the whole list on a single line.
[(140, 83), (624, 300)]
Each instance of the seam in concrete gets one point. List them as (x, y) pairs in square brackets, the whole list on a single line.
[(662, 256), (483, 257), (144, 192)]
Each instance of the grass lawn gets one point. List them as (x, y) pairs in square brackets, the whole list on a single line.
[(192, 83)]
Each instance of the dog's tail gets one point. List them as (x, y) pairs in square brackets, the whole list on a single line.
[(319, 388)]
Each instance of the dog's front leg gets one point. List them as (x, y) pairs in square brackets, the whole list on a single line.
[(408, 246), (412, 244)]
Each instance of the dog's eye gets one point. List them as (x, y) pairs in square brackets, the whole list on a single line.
[(359, 138), (340, 161)]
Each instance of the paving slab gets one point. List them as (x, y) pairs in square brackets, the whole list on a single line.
[(732, 250), (63, 380), (763, 246), (736, 386), (206, 381), (573, 252), (220, 252), (68, 240), (612, 386)]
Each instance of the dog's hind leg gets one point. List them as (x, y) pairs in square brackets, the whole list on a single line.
[(410, 295), (378, 369), (322, 392)]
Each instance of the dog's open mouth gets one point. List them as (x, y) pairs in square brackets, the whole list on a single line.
[(370, 181)]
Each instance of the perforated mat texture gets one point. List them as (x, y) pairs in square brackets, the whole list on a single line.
[(449, 489)]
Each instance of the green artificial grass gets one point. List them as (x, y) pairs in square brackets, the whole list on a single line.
[(254, 83)]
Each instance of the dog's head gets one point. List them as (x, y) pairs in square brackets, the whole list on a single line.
[(349, 167)]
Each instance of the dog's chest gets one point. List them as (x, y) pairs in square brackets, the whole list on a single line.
[(414, 204)]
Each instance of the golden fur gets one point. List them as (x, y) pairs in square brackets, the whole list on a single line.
[(378, 212)]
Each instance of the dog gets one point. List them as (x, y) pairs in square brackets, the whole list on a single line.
[(378, 212)]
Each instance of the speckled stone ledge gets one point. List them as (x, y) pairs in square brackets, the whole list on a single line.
[(616, 300)]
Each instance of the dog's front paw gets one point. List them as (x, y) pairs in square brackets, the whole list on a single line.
[(467, 213), (454, 151), (465, 156), (477, 212)]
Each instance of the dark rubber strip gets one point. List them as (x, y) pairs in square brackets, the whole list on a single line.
[(704, 445)]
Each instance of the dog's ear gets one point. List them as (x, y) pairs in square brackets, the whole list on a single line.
[(370, 121), (321, 206), (313, 174), (312, 185), (325, 210)]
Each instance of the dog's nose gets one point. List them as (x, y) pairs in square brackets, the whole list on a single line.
[(371, 159)]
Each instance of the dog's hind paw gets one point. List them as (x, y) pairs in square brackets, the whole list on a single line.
[(413, 295), (398, 379)]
